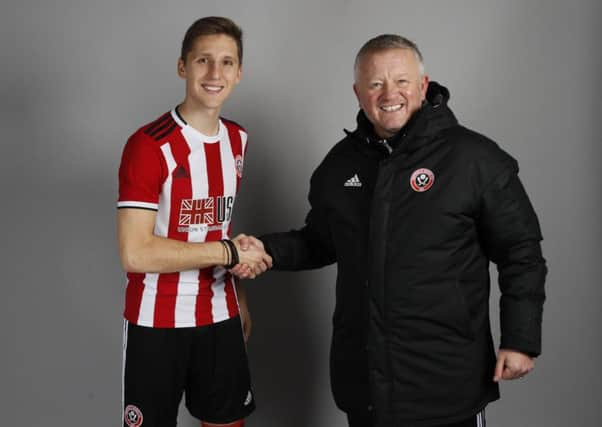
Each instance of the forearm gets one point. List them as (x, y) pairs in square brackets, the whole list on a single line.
[(296, 250), (162, 255), (521, 279)]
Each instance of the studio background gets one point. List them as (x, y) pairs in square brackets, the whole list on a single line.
[(78, 77)]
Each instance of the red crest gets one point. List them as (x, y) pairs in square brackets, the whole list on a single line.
[(132, 416), (422, 180)]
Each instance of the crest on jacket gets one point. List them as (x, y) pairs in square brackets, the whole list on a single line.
[(422, 180)]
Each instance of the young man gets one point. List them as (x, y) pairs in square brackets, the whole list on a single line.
[(178, 179)]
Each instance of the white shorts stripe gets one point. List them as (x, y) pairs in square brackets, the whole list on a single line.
[(125, 345), (481, 418)]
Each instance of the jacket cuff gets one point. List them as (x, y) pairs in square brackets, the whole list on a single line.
[(521, 344)]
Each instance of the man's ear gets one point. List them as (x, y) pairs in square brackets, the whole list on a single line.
[(424, 85), (357, 94), (181, 68)]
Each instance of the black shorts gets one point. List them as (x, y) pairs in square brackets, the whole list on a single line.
[(208, 363)]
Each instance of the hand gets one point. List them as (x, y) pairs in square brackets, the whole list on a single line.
[(512, 365), (253, 260)]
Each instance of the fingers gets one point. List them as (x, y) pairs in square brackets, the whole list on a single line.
[(244, 242), (242, 271), (252, 256), (499, 368), (267, 260), (512, 365)]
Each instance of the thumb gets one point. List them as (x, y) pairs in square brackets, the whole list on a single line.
[(244, 242), (499, 367)]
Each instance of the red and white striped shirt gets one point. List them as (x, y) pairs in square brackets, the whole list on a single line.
[(191, 180)]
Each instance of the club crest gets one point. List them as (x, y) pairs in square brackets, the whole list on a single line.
[(132, 416), (422, 180), (238, 163)]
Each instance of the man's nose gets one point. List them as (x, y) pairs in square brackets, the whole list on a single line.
[(389, 89), (214, 70)]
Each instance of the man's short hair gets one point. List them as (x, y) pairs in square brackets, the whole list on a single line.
[(211, 25), (385, 42)]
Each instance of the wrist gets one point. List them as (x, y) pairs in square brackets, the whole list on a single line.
[(232, 257)]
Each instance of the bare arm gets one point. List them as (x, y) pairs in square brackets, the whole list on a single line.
[(141, 251)]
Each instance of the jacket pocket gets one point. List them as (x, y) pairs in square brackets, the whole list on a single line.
[(437, 310)]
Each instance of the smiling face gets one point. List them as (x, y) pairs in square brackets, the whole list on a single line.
[(211, 70), (390, 88)]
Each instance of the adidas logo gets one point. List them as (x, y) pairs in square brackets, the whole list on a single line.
[(181, 172), (354, 181)]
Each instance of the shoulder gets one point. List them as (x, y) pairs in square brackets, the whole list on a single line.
[(232, 125), (338, 154), (145, 143), (158, 129), (153, 133), (473, 147)]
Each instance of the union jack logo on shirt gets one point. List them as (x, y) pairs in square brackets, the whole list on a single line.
[(197, 211)]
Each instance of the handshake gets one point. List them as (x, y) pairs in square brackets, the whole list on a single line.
[(252, 257)]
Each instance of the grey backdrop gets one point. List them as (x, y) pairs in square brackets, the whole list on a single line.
[(78, 77)]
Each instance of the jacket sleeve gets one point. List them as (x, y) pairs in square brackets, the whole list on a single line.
[(511, 236), (305, 248)]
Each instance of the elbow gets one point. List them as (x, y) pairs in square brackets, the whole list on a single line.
[(131, 261)]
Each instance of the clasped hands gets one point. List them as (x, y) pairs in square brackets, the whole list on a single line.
[(253, 259)]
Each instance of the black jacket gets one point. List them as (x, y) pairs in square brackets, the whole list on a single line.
[(412, 338)]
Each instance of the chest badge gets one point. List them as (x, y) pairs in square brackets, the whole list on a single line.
[(422, 180), (238, 162)]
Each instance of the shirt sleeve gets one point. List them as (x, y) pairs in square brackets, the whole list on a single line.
[(141, 174)]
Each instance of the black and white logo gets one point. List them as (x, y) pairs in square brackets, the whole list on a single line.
[(354, 181)]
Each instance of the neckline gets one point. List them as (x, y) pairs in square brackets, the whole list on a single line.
[(196, 134)]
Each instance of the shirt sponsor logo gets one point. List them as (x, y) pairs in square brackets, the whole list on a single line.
[(422, 180), (210, 213)]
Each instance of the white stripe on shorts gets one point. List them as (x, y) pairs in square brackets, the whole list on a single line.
[(481, 418), (125, 346)]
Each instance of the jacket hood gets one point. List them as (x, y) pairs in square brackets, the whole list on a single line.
[(430, 119)]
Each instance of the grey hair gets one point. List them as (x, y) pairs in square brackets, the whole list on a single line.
[(388, 41)]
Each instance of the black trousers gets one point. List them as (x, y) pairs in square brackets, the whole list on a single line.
[(364, 419)]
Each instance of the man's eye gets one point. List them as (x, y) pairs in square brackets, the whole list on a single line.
[(376, 85), (228, 62), (203, 60)]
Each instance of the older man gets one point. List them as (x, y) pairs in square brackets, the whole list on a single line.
[(412, 207)]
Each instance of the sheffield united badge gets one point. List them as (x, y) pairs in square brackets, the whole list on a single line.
[(238, 163), (422, 180), (132, 416)]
